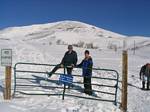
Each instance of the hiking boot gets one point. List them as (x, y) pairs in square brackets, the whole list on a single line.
[(143, 85), (49, 74), (148, 86), (89, 92)]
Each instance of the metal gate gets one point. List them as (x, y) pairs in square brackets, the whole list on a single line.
[(34, 82)]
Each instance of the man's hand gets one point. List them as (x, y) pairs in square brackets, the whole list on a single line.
[(140, 78), (72, 65), (61, 65)]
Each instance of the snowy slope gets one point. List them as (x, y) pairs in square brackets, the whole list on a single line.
[(38, 43), (69, 32)]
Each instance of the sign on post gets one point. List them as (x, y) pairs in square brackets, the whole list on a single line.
[(6, 57), (66, 80), (6, 60)]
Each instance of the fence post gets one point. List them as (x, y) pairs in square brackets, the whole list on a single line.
[(14, 80), (7, 90), (134, 48), (124, 80)]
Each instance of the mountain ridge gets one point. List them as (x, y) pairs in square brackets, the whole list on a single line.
[(70, 32)]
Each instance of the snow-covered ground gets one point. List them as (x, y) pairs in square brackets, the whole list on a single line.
[(39, 44)]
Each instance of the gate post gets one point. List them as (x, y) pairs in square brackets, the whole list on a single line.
[(64, 86), (7, 89), (6, 61), (124, 80)]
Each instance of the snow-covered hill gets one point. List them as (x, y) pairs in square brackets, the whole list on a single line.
[(70, 32)]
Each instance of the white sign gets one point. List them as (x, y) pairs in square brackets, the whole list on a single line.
[(6, 57)]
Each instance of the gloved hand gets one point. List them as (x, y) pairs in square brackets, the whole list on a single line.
[(72, 65), (61, 65)]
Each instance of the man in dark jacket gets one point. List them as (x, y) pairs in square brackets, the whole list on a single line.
[(145, 75), (69, 60), (86, 66)]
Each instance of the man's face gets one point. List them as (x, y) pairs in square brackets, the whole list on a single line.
[(86, 55), (70, 49)]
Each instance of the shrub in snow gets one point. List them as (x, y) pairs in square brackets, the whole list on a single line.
[(112, 46), (60, 42), (50, 43), (53, 37), (110, 37), (90, 46), (79, 44)]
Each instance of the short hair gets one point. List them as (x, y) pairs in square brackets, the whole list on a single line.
[(70, 47), (86, 52)]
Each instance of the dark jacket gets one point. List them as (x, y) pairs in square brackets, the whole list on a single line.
[(147, 72), (142, 71), (86, 66), (69, 58)]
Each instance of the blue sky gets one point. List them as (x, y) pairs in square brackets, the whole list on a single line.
[(128, 17)]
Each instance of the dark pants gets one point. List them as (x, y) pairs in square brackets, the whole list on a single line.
[(143, 84), (87, 85), (69, 70)]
